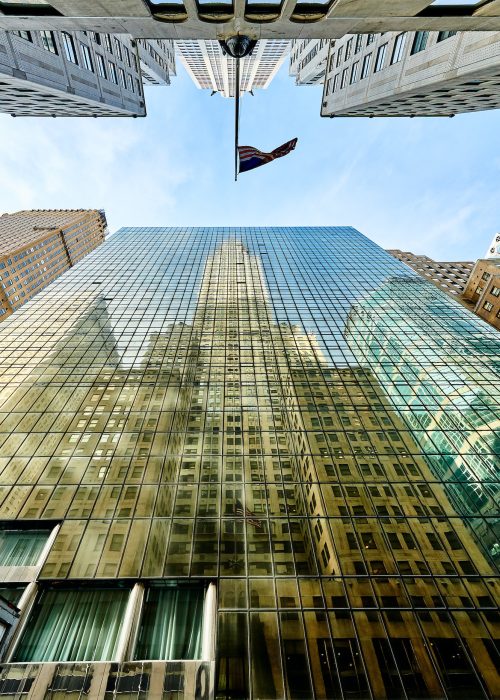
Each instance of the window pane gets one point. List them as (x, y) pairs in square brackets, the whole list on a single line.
[(13, 593), (21, 547), (171, 624), (48, 41), (73, 625)]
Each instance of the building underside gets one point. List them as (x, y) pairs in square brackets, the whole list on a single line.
[(187, 19)]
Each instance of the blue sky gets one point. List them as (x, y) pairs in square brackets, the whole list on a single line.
[(427, 185)]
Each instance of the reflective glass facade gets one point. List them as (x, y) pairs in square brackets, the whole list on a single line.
[(269, 461)]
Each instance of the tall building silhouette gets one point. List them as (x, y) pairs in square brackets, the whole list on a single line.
[(232, 467)]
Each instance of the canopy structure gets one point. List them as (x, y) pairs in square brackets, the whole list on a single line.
[(198, 19)]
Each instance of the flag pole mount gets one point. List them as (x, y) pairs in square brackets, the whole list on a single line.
[(236, 117), (237, 46)]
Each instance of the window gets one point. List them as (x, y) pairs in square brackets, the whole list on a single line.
[(112, 72), (359, 43), (130, 83), (419, 42), (485, 276), (21, 547), (48, 41), (101, 66), (445, 35), (354, 72), (123, 81), (348, 49), (370, 38), (24, 35), (118, 47), (107, 43), (343, 82), (339, 57), (399, 45), (87, 57), (81, 624), (127, 56), (379, 63), (171, 624), (495, 291), (366, 65), (96, 37), (488, 306), (69, 47)]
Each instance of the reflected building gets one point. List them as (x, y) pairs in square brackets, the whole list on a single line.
[(211, 488)]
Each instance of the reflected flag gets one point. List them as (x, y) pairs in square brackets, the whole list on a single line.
[(251, 157), (246, 513)]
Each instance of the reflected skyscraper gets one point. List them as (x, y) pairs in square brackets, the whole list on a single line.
[(232, 467)]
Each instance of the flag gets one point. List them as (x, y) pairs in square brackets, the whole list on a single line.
[(246, 513), (251, 157)]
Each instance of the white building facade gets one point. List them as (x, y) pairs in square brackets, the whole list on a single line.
[(211, 69), (308, 59), (46, 73), (412, 74)]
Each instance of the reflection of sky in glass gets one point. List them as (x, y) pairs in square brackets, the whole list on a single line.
[(150, 278), (436, 362)]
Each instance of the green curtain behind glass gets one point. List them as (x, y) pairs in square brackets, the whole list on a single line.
[(78, 625), (21, 547), (171, 624)]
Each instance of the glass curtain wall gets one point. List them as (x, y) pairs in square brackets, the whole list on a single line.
[(282, 411)]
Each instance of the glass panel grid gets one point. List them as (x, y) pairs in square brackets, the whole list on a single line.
[(290, 412)]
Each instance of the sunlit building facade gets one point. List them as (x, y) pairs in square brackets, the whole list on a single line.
[(39, 245), (234, 465)]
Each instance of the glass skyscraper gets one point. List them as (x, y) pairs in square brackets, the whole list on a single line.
[(248, 463)]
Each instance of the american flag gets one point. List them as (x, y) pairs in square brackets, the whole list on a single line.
[(251, 157), (246, 513)]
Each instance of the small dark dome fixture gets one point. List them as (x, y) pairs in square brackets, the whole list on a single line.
[(238, 46)]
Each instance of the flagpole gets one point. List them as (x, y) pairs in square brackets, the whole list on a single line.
[(236, 117)]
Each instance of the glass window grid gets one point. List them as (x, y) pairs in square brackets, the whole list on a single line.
[(113, 373)]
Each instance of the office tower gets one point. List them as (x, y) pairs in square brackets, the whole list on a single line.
[(46, 73), (451, 277), (474, 285), (291, 19), (211, 69), (308, 58), (39, 245), (406, 74), (482, 291), (260, 431)]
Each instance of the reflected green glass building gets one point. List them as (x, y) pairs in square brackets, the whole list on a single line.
[(248, 463)]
